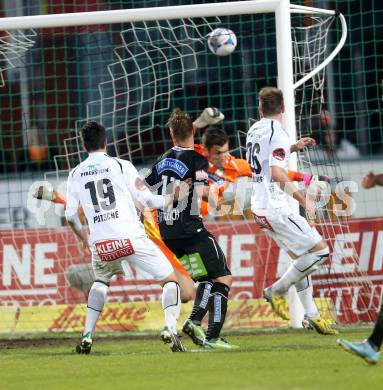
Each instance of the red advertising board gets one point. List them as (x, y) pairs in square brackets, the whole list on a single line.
[(33, 263)]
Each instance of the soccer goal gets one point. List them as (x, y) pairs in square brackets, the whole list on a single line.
[(128, 68)]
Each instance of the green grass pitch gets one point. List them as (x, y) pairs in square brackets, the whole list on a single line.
[(288, 360)]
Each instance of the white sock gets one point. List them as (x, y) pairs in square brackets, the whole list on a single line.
[(303, 266), (291, 276), (171, 303), (305, 293), (96, 300)]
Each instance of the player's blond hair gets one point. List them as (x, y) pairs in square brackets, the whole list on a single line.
[(180, 125), (271, 100)]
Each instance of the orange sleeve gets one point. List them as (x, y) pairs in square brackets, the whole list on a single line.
[(236, 167), (58, 198), (296, 176), (61, 199), (153, 232), (199, 148), (204, 210), (243, 167)]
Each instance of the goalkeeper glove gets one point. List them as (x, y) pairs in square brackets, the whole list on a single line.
[(209, 116), (48, 193)]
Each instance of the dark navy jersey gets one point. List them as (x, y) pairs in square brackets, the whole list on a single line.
[(176, 165)]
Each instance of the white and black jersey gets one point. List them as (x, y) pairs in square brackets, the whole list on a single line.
[(176, 165), (267, 145), (107, 189)]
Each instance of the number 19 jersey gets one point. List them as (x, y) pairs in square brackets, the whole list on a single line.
[(267, 145), (107, 188)]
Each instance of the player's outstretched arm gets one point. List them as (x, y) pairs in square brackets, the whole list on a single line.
[(280, 176), (203, 191), (145, 198), (48, 193), (307, 178), (78, 230)]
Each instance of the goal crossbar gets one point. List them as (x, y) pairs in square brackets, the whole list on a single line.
[(143, 14)]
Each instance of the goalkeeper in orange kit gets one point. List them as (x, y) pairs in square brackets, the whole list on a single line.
[(224, 168)]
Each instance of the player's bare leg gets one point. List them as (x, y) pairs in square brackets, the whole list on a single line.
[(186, 287), (171, 304)]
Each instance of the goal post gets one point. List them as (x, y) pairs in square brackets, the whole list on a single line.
[(156, 50)]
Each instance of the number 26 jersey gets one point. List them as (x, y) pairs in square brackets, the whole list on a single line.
[(267, 145)]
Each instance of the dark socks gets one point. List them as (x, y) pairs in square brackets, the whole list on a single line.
[(201, 301), (217, 309)]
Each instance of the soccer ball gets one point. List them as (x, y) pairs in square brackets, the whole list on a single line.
[(222, 41)]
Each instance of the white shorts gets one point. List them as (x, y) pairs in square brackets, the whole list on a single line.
[(290, 231), (147, 257)]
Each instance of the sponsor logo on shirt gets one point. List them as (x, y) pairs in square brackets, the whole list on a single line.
[(279, 154), (220, 181), (94, 169), (171, 164), (110, 250), (201, 175)]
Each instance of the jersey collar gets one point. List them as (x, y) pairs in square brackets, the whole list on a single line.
[(177, 147), (271, 120), (97, 155)]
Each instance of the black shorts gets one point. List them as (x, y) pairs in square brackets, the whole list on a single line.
[(201, 255)]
